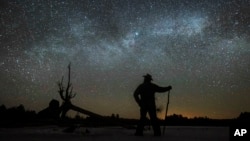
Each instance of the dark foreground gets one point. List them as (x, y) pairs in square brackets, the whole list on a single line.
[(172, 133)]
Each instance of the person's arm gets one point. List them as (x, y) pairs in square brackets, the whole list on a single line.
[(162, 89), (136, 96)]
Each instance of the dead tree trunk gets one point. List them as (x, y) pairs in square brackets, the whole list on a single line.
[(66, 94)]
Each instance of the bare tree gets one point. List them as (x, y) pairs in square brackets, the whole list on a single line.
[(66, 94)]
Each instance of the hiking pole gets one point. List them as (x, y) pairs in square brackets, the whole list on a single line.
[(164, 127)]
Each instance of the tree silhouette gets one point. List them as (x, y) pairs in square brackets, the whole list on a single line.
[(51, 112), (66, 94)]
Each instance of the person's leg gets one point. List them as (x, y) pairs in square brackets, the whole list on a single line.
[(155, 122), (140, 126)]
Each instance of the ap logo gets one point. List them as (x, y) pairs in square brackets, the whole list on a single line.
[(240, 132)]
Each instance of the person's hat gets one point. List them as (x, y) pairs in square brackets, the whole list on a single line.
[(148, 76)]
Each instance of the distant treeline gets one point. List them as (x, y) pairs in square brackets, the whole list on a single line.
[(16, 113), (18, 116)]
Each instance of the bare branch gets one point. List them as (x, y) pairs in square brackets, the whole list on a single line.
[(68, 77), (71, 90), (73, 95), (61, 89), (66, 94), (61, 95)]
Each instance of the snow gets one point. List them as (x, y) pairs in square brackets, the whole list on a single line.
[(172, 133)]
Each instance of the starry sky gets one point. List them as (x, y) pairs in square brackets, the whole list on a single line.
[(200, 47)]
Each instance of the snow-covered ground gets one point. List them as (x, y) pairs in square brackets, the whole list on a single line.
[(172, 133)]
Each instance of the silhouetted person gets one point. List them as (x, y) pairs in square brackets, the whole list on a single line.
[(145, 97)]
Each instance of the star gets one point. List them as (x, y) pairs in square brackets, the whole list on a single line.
[(201, 48)]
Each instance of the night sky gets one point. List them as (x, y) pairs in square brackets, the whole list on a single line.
[(200, 47)]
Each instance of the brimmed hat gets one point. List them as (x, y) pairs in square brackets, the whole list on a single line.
[(148, 76)]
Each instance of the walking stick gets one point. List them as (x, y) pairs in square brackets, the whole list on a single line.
[(164, 127)]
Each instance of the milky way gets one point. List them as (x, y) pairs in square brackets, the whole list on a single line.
[(200, 47)]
